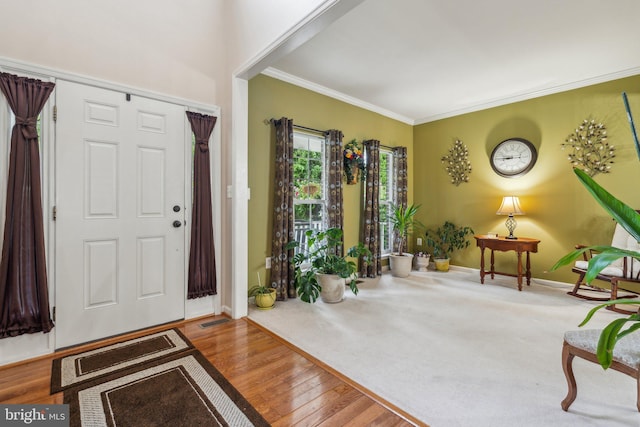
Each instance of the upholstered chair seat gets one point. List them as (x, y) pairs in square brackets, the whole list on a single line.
[(584, 343)]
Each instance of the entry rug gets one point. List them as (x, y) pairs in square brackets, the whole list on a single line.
[(77, 368), (180, 389)]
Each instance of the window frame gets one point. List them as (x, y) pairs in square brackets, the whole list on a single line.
[(386, 204), (309, 223)]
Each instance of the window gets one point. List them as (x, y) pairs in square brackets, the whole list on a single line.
[(385, 201), (7, 122), (308, 178)]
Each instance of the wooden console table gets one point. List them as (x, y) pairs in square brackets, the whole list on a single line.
[(519, 245)]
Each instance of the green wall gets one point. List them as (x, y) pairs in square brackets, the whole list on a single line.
[(272, 98), (559, 211)]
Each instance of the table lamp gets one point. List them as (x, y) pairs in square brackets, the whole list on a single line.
[(510, 206)]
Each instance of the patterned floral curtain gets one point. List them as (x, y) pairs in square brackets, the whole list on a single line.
[(333, 157), (24, 294), (400, 181), (282, 271), (371, 211)]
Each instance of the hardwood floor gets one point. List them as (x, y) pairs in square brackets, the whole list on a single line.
[(288, 387)]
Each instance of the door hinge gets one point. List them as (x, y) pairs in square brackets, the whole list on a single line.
[(54, 314), (54, 212), (55, 113)]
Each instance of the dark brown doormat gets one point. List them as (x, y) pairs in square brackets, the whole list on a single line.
[(77, 368), (178, 389)]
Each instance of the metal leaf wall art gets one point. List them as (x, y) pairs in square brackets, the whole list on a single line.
[(589, 149), (457, 163)]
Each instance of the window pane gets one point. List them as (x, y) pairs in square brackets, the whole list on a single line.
[(309, 172), (384, 176), (317, 213), (385, 200), (301, 213)]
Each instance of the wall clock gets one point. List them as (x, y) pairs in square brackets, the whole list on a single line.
[(513, 157)]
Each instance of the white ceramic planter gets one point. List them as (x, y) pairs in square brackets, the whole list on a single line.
[(400, 265), (422, 263), (332, 287)]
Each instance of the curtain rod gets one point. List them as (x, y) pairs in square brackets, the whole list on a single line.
[(269, 121)]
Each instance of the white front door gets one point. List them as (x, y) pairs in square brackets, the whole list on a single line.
[(120, 239)]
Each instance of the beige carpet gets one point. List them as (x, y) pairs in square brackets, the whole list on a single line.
[(453, 352)]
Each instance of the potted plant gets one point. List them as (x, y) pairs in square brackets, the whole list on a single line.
[(403, 222), (265, 296), (353, 161), (444, 240), (629, 219), (319, 270), (422, 260)]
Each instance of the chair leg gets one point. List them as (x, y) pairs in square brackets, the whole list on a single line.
[(638, 392), (614, 295), (567, 361), (574, 292)]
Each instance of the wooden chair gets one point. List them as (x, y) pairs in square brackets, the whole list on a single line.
[(583, 343), (624, 270)]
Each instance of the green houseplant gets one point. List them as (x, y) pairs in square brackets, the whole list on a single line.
[(629, 219), (403, 223), (265, 296), (320, 271), (444, 240)]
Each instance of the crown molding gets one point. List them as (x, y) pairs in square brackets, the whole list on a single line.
[(289, 78), (533, 94), (297, 81)]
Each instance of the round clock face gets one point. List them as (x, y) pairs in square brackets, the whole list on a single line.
[(513, 157)]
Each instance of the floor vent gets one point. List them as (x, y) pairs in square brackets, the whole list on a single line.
[(213, 323)]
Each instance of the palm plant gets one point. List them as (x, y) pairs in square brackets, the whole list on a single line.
[(403, 223), (629, 219)]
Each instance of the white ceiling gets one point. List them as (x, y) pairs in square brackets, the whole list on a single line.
[(422, 60)]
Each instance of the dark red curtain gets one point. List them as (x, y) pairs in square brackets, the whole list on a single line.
[(24, 295), (202, 265)]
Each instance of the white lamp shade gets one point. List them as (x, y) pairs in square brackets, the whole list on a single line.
[(510, 206)]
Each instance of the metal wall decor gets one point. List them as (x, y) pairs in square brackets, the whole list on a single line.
[(589, 149), (457, 163)]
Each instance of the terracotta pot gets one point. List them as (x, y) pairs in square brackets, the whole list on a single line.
[(355, 172)]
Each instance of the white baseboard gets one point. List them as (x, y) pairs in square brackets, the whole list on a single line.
[(547, 282)]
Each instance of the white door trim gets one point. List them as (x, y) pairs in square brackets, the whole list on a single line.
[(32, 345)]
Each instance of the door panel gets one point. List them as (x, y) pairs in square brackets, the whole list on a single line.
[(120, 169)]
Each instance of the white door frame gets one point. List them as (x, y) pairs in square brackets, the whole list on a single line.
[(313, 23), (32, 345)]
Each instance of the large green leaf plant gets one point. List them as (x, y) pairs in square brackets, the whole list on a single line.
[(629, 219), (322, 256)]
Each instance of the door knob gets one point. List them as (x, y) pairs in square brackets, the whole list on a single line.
[(177, 224)]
